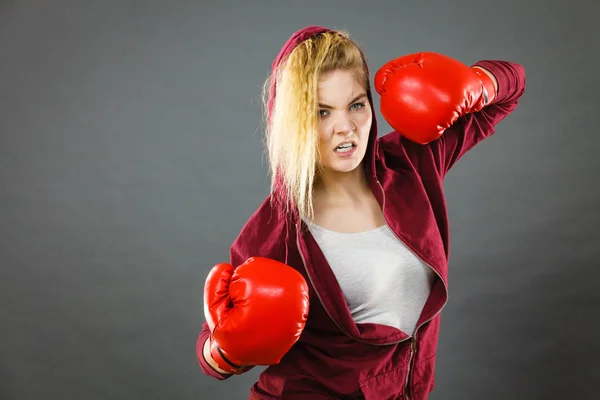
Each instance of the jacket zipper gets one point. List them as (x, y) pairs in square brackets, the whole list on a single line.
[(413, 350), (414, 339)]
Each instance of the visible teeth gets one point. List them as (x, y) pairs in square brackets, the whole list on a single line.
[(344, 148)]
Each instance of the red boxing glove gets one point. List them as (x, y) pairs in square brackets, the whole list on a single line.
[(423, 94), (255, 312)]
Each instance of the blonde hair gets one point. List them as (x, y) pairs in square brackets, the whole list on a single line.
[(292, 136)]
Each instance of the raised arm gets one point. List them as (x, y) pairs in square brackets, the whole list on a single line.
[(474, 127), (433, 100)]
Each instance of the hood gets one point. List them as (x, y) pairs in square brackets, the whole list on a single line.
[(294, 40)]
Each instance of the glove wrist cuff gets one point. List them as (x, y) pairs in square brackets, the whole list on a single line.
[(225, 363), (488, 86)]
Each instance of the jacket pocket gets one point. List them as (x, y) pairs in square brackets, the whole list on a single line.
[(387, 385)]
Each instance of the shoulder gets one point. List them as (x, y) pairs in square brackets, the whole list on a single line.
[(262, 235)]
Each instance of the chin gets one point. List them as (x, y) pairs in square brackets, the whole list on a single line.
[(344, 167)]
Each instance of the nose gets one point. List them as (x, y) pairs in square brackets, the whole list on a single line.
[(344, 124)]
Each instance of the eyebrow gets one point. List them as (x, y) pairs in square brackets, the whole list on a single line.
[(354, 100)]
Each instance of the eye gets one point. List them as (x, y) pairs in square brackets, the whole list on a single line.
[(323, 113), (357, 106)]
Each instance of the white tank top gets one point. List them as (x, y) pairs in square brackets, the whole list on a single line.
[(382, 280)]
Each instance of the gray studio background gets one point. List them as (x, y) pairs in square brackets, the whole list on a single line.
[(130, 157)]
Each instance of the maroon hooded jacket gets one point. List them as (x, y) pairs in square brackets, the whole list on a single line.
[(336, 357)]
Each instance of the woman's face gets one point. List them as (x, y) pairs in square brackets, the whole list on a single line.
[(344, 121)]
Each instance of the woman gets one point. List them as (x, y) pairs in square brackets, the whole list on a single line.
[(359, 220)]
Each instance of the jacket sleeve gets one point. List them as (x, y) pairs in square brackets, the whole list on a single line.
[(472, 128), (237, 257)]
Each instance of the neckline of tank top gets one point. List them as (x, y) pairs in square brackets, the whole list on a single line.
[(330, 231)]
